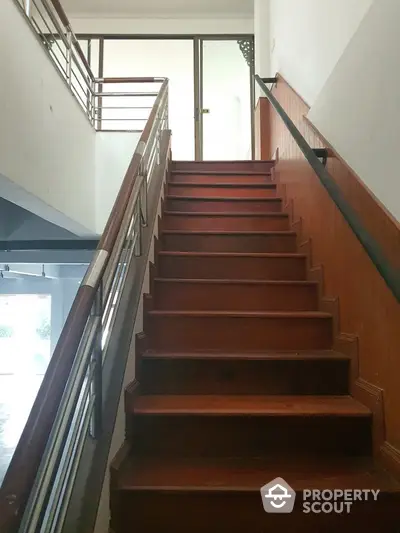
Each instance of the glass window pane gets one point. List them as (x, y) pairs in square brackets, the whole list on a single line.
[(171, 58), (226, 95)]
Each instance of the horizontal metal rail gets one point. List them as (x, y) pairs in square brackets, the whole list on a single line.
[(390, 275), (50, 22)]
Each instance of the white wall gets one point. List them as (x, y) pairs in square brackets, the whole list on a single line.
[(114, 151), (262, 37), (162, 26), (47, 146), (309, 36), (358, 110)]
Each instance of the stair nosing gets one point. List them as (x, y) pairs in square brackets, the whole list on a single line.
[(223, 198), (283, 233), (278, 255), (221, 172), (221, 185), (239, 214), (260, 469), (243, 314), (216, 281), (305, 355), (280, 406)]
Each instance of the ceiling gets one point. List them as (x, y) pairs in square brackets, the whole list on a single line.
[(160, 8)]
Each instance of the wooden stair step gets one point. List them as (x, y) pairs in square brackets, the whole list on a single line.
[(220, 265), (247, 425), (222, 177), (223, 494), (287, 373), (229, 241), (267, 356), (235, 295), (223, 185), (226, 204), (238, 331), (245, 474), (250, 405), (176, 220), (223, 166), (222, 190)]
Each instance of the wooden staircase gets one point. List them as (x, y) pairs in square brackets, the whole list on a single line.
[(237, 382)]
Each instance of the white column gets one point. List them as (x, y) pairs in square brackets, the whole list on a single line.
[(262, 37)]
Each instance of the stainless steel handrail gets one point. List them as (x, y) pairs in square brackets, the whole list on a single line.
[(50, 22)]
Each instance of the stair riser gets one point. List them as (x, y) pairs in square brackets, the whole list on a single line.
[(238, 512), (274, 268), (235, 297), (222, 178), (225, 223), (238, 436), (175, 376), (206, 191), (223, 206), (238, 334), (275, 243), (223, 166)]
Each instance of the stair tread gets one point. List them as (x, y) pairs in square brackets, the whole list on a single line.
[(233, 254), (268, 356), (250, 405), (239, 214), (224, 198), (221, 281), (245, 474), (222, 184), (283, 233), (221, 172), (244, 314)]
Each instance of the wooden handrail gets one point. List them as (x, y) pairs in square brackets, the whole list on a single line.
[(65, 21), (21, 474), (129, 80), (61, 13)]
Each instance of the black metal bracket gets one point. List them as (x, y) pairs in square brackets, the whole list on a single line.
[(321, 153), (274, 81)]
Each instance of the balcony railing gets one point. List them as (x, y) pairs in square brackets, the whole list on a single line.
[(111, 104)]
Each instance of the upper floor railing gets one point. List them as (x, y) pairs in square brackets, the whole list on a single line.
[(116, 104)]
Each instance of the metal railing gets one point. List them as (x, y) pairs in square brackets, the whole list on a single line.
[(390, 275), (39, 483), (128, 102)]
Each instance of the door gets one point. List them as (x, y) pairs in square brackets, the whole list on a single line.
[(224, 99)]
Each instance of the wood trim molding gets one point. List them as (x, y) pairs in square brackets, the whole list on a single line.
[(116, 463), (372, 397), (140, 348), (390, 457), (132, 391)]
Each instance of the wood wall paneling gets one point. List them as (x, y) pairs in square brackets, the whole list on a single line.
[(367, 308)]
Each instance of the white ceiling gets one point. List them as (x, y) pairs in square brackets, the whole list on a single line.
[(160, 8)]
